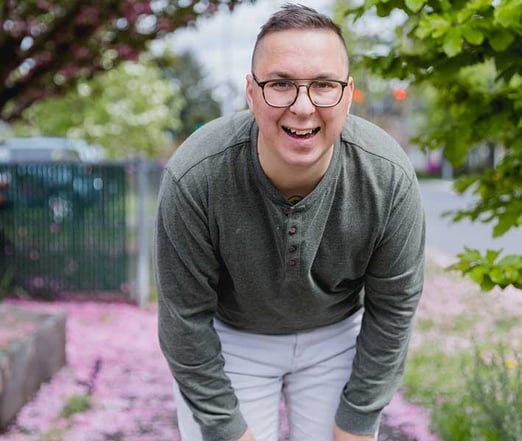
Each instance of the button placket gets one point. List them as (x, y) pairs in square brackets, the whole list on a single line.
[(293, 239)]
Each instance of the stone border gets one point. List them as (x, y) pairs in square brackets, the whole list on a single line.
[(29, 359)]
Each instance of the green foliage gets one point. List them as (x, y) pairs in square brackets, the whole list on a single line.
[(53, 435), (48, 46), (76, 404), (372, 93), (428, 371), (455, 420), (495, 387), (134, 108), (126, 110), (477, 397), (499, 195), (6, 282), (488, 270), (467, 55), (188, 80)]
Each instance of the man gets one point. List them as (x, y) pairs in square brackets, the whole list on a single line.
[(289, 253)]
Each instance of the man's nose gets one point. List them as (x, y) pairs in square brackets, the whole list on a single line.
[(302, 104)]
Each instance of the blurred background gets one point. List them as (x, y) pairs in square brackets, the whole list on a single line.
[(94, 98)]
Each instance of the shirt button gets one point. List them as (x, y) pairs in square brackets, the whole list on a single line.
[(292, 262), (292, 230), (292, 249)]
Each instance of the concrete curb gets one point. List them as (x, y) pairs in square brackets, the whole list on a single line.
[(30, 360)]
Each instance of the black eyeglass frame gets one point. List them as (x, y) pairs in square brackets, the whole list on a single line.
[(262, 85)]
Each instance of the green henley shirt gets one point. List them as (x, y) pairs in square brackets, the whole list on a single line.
[(229, 245)]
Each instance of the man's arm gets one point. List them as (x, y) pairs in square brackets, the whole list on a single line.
[(248, 436), (341, 435), (187, 275), (393, 285)]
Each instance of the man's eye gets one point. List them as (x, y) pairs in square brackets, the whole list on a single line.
[(281, 85), (323, 85)]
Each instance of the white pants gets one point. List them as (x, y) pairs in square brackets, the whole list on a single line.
[(309, 369)]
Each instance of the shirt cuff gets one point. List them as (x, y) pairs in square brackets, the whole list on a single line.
[(353, 421), (231, 431)]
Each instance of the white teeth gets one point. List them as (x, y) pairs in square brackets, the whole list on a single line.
[(301, 132)]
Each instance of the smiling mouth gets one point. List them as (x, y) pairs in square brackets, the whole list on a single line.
[(301, 134)]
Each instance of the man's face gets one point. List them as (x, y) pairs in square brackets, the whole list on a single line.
[(301, 135)]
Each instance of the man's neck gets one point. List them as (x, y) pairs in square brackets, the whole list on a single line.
[(295, 180)]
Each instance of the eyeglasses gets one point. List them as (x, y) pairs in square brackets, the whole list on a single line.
[(284, 93)]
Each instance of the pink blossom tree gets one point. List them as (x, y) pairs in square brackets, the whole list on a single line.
[(48, 45)]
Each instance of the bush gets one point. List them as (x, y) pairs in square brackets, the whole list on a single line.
[(483, 404), (495, 386)]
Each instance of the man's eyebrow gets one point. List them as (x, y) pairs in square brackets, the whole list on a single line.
[(276, 75), (285, 76)]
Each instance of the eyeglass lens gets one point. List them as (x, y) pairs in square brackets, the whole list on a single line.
[(322, 93)]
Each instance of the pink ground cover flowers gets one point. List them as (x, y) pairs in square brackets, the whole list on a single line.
[(113, 356), (113, 352)]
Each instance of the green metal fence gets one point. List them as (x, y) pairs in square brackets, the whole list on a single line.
[(63, 227)]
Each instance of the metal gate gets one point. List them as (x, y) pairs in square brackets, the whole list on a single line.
[(63, 227)]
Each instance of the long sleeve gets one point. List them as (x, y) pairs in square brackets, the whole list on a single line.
[(187, 271), (221, 238), (393, 286)]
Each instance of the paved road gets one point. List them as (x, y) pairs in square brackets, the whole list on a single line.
[(446, 237)]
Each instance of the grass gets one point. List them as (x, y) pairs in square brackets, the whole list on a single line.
[(53, 435), (76, 404), (505, 324)]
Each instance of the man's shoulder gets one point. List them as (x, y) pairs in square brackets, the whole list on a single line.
[(373, 142), (211, 140)]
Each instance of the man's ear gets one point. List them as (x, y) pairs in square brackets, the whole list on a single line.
[(351, 89), (249, 91)]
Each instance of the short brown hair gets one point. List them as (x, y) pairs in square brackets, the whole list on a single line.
[(297, 17)]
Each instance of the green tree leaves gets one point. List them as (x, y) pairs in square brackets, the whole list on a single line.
[(131, 109), (48, 46), (488, 271), (452, 43), (509, 15), (126, 110), (414, 5), (466, 56)]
